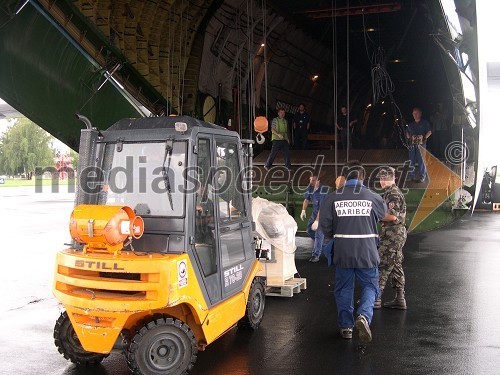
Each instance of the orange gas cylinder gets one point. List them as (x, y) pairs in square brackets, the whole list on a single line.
[(104, 228)]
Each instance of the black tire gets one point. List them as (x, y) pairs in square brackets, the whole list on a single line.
[(162, 346), (255, 305), (69, 345)]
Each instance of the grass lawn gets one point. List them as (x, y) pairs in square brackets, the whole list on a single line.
[(33, 182)]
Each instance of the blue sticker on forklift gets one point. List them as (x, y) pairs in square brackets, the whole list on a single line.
[(182, 273), (233, 275)]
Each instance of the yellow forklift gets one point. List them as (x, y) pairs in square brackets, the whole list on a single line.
[(163, 259)]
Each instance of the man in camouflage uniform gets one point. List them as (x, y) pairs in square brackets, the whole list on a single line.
[(392, 239)]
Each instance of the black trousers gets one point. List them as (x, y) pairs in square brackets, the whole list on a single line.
[(278, 146), (300, 136)]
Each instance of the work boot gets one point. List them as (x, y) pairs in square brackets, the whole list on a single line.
[(378, 303), (365, 334), (346, 333), (398, 302)]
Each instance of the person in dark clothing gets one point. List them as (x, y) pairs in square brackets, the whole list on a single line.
[(345, 130), (316, 193), (392, 240), (301, 124), (350, 216), (417, 133)]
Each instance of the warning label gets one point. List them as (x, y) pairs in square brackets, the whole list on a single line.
[(182, 273)]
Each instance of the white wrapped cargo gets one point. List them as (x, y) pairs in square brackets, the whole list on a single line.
[(274, 224)]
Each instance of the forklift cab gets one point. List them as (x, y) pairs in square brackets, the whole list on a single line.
[(188, 180)]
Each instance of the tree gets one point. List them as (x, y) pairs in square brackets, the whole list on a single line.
[(23, 147), (74, 159)]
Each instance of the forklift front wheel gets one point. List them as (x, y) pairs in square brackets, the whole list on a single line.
[(255, 305), (162, 346), (70, 347)]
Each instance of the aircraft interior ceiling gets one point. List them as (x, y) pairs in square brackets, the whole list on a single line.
[(111, 59)]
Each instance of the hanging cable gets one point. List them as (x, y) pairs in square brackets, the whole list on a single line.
[(382, 84), (400, 123), (264, 23), (184, 60), (334, 74), (238, 72), (366, 36), (182, 57), (348, 124), (179, 109), (249, 68), (252, 58), (170, 59), (252, 63)]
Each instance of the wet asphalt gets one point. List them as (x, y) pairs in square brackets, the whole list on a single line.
[(451, 325)]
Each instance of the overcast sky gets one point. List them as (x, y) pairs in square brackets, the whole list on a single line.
[(3, 125)]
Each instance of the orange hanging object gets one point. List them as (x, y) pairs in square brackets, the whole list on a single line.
[(260, 124)]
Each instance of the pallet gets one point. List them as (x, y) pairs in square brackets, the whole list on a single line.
[(288, 288)]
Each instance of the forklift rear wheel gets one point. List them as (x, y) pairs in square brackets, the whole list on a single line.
[(255, 305), (69, 345), (162, 346)]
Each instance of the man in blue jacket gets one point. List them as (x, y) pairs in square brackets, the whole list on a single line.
[(350, 216), (316, 193), (417, 133)]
